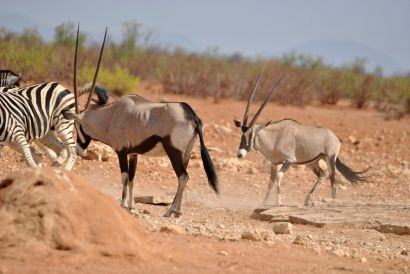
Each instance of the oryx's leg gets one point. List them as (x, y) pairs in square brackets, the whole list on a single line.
[(279, 177), (132, 168), (179, 167), (25, 149), (331, 165), (65, 132), (122, 158), (273, 171), (321, 176)]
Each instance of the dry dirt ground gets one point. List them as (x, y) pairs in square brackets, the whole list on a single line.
[(207, 238)]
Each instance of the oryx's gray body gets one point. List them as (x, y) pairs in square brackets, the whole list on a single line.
[(133, 125), (288, 143)]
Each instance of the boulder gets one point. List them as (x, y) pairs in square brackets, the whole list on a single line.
[(282, 228)]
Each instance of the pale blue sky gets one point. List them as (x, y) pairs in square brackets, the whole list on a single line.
[(336, 30)]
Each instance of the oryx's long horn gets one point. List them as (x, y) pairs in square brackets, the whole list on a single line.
[(265, 102), (245, 116), (75, 71), (96, 72)]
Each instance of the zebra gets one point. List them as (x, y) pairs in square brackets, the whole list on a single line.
[(9, 79), (29, 113), (50, 143), (286, 143)]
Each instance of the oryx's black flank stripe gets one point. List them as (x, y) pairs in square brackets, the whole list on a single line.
[(34, 110)]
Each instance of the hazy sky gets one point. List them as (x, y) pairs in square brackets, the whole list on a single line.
[(337, 30)]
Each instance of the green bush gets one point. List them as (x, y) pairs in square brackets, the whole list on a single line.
[(118, 81)]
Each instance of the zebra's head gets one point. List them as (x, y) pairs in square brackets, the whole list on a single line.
[(249, 130)]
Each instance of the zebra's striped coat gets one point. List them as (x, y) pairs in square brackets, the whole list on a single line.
[(29, 113)]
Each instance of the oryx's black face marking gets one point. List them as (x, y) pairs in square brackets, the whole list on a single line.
[(246, 144), (247, 138), (83, 140)]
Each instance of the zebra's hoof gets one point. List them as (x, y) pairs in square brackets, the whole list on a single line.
[(56, 164)]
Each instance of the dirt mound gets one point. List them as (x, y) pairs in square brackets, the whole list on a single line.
[(60, 210)]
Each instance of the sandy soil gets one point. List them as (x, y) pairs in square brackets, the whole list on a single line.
[(208, 236)]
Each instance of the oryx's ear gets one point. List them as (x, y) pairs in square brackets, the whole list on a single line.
[(237, 123), (73, 116)]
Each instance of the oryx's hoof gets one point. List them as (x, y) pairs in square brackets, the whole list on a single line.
[(169, 213), (131, 208)]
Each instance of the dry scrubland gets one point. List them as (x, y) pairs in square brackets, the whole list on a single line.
[(135, 58), (54, 222)]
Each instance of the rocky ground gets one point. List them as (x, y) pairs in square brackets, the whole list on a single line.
[(219, 232)]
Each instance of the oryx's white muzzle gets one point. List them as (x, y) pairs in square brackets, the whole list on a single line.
[(241, 153)]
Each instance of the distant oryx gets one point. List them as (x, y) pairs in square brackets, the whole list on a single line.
[(289, 143)]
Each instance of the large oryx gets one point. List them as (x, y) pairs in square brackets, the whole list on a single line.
[(287, 143), (133, 125)]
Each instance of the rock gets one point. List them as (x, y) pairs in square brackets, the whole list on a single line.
[(363, 260), (353, 140), (404, 252), (98, 152), (154, 200), (223, 253), (173, 229), (257, 235), (282, 228), (214, 149), (194, 155), (339, 252), (299, 240), (399, 229)]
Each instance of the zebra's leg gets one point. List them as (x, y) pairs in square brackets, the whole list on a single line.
[(50, 153), (279, 177), (38, 157), (25, 149), (65, 132), (321, 176), (132, 168), (54, 148), (273, 171), (122, 158)]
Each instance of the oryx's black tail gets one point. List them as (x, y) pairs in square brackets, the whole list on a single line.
[(206, 158), (352, 176)]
